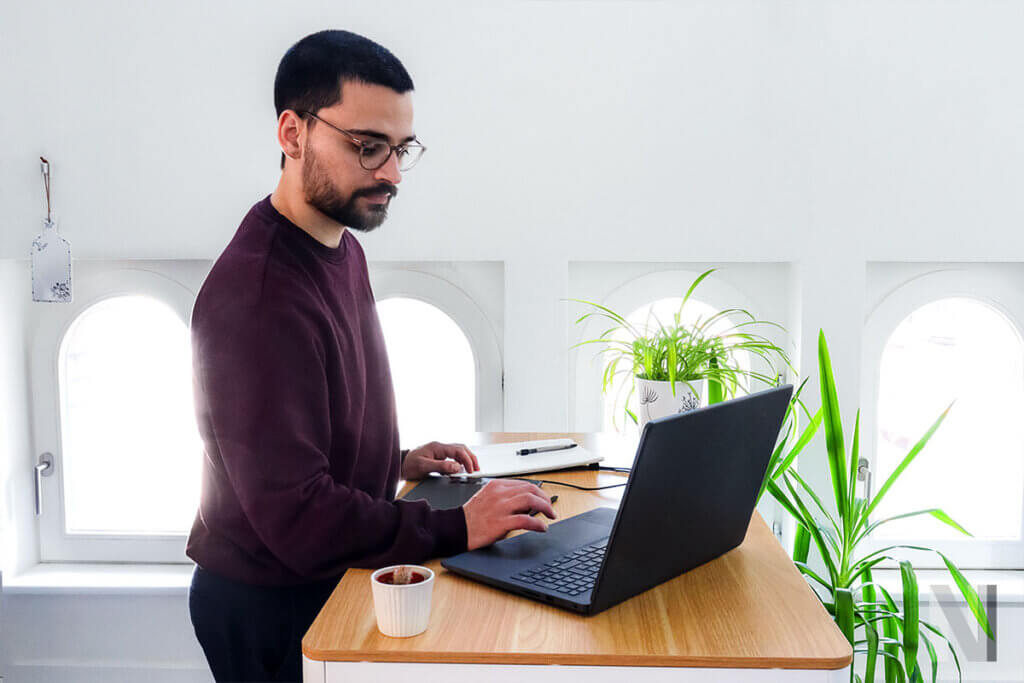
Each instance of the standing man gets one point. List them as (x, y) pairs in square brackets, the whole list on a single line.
[(293, 391)]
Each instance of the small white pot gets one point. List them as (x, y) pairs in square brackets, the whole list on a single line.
[(655, 398), (402, 611)]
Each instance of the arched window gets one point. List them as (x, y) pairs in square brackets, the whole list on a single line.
[(960, 350), (131, 451), (433, 370), (112, 403)]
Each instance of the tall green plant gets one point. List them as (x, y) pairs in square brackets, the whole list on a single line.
[(862, 608), (781, 458), (686, 353)]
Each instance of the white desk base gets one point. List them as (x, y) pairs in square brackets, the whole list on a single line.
[(388, 672)]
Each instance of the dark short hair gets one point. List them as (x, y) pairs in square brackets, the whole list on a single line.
[(312, 72)]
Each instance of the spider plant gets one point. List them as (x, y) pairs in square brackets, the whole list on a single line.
[(708, 349), (862, 608)]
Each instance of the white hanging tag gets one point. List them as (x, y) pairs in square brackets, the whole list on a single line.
[(51, 257), (51, 266)]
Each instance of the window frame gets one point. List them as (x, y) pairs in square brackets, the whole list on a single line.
[(990, 286), (460, 306), (52, 324)]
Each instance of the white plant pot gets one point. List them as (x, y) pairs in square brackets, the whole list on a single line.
[(655, 398)]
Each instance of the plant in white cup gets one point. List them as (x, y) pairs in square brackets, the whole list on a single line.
[(678, 366), (401, 599)]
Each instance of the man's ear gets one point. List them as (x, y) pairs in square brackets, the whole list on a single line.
[(290, 131)]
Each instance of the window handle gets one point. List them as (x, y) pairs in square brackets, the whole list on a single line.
[(864, 475), (43, 469)]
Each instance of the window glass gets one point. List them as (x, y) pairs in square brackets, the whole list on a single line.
[(131, 450), (433, 370), (964, 350)]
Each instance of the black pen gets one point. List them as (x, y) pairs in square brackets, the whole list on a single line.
[(544, 449)]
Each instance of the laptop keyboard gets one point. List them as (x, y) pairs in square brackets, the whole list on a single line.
[(572, 573)]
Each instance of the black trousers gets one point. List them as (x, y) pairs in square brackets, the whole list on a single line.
[(253, 633)]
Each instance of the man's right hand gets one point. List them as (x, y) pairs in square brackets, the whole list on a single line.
[(501, 506)]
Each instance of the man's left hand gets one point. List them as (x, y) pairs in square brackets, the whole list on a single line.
[(446, 458)]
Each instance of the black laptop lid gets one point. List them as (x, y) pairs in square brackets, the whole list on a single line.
[(691, 493)]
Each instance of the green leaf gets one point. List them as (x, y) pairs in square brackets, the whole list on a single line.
[(801, 544), (844, 612), (872, 654), (673, 364), (810, 573), (812, 527), (700, 278), (934, 512), (607, 312), (931, 656), (805, 438), (814, 497), (833, 539), (970, 595), (862, 569), (854, 457), (911, 616), (833, 428), (893, 669), (952, 650), (780, 497), (966, 590), (903, 465)]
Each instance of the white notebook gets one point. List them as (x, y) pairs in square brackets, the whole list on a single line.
[(500, 459)]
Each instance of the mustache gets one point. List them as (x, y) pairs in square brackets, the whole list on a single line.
[(380, 189)]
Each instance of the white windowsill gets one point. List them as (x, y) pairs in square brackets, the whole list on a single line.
[(100, 579), (1009, 582)]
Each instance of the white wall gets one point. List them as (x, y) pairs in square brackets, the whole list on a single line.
[(18, 543), (820, 134)]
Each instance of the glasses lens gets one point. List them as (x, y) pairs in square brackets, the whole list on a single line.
[(373, 155), (409, 156)]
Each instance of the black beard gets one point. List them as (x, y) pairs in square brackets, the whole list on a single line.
[(321, 194)]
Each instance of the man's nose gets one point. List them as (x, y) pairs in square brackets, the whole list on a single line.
[(389, 171)]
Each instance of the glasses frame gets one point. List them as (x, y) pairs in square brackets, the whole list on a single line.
[(361, 144)]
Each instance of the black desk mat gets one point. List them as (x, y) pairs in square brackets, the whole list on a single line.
[(444, 493)]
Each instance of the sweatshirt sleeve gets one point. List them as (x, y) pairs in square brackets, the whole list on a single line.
[(261, 371)]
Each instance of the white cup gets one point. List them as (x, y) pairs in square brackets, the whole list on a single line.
[(402, 610)]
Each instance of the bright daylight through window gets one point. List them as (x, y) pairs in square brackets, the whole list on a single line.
[(131, 450), (433, 370), (964, 350)]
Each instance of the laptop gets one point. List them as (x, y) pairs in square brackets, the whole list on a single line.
[(688, 500)]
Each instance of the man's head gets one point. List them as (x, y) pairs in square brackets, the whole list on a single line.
[(340, 80)]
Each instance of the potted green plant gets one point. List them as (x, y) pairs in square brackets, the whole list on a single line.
[(863, 609), (677, 366)]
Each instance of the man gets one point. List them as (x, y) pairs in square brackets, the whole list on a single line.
[(293, 391)]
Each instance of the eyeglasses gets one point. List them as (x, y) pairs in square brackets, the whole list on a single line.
[(373, 154)]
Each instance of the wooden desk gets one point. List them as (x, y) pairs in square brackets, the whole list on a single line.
[(747, 616)]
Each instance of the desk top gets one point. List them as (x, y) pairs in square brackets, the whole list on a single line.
[(750, 608)]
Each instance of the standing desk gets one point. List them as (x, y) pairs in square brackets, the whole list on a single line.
[(748, 616)]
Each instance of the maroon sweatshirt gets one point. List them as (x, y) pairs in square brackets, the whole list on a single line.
[(296, 409)]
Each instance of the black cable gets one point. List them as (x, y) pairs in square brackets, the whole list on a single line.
[(581, 488), (622, 470)]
